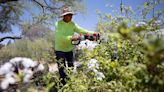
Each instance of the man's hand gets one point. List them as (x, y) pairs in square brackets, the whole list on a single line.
[(96, 36), (75, 38), (92, 37)]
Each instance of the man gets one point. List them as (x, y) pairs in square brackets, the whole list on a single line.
[(64, 32)]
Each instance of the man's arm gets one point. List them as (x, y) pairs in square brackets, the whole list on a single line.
[(81, 30)]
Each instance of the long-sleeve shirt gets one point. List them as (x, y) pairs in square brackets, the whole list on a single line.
[(63, 34)]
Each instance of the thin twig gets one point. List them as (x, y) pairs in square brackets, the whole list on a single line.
[(41, 5), (9, 37)]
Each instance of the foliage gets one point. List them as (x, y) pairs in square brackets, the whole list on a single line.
[(9, 15), (35, 31), (38, 49), (130, 60), (15, 13), (38, 11)]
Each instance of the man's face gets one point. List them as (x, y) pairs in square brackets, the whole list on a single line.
[(67, 18)]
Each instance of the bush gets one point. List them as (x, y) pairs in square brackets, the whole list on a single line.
[(39, 49)]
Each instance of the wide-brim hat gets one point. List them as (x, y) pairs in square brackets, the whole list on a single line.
[(67, 10)]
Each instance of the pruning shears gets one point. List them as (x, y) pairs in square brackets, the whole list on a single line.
[(90, 37)]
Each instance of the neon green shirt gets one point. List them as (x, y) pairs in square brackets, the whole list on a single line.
[(63, 34)]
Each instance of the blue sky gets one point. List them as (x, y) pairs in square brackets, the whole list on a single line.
[(89, 19)]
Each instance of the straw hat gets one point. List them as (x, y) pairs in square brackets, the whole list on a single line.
[(67, 10)]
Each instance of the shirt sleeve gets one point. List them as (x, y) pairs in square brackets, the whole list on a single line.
[(81, 30)]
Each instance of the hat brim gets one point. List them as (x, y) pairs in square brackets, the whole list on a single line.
[(67, 13)]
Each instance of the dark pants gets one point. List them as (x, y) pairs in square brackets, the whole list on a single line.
[(62, 57)]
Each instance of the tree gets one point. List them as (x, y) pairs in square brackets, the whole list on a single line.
[(9, 15), (39, 11), (34, 32)]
